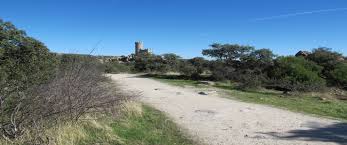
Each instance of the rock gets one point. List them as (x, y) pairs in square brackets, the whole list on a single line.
[(322, 98), (302, 53), (203, 93)]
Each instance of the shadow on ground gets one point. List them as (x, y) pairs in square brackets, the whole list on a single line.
[(336, 133)]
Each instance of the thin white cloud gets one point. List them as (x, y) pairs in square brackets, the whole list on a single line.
[(298, 14)]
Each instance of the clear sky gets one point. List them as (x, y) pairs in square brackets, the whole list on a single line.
[(184, 27)]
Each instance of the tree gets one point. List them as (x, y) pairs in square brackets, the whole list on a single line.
[(24, 64), (187, 69), (24, 61), (228, 59), (227, 52), (172, 61), (150, 63), (339, 75), (252, 71), (199, 63), (327, 58), (261, 56), (297, 74)]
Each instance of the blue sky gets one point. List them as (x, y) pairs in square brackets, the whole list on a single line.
[(184, 27)]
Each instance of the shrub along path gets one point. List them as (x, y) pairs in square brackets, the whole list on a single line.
[(216, 120)]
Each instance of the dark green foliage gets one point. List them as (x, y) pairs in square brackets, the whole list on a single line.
[(172, 61), (253, 68), (260, 57), (193, 67), (117, 67), (297, 74), (24, 61), (325, 57), (339, 75), (199, 63), (227, 52), (240, 63), (150, 63), (187, 69), (328, 59)]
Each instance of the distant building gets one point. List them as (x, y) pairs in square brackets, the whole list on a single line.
[(139, 49)]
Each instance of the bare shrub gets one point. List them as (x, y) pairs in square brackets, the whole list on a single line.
[(78, 87)]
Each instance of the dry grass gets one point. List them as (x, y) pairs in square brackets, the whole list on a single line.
[(137, 124)]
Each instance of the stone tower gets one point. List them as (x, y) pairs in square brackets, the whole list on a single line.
[(138, 47)]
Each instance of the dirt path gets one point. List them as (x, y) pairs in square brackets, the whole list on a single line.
[(219, 121)]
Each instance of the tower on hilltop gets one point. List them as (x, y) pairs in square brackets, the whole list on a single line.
[(138, 47)]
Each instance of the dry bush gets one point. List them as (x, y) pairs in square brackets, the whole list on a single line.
[(78, 87)]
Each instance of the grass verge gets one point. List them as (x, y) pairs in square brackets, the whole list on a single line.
[(304, 103), (137, 124), (148, 127)]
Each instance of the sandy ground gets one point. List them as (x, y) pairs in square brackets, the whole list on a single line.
[(218, 121)]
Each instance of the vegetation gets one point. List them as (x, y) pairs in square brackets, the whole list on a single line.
[(134, 124), (150, 63), (255, 68), (117, 67), (25, 63), (148, 126), (339, 75), (297, 74)]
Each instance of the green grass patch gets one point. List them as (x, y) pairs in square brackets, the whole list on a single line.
[(150, 128), (304, 103)]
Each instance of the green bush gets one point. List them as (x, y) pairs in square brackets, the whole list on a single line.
[(199, 63), (172, 61), (24, 61), (328, 59), (116, 67), (297, 74), (339, 74), (187, 69), (150, 63), (24, 64)]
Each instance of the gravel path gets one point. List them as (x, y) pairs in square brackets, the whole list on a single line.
[(218, 121)]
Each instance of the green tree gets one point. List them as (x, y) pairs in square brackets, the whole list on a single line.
[(253, 69), (187, 69), (227, 52), (199, 63), (150, 63), (24, 61), (339, 74), (172, 60), (328, 59)]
